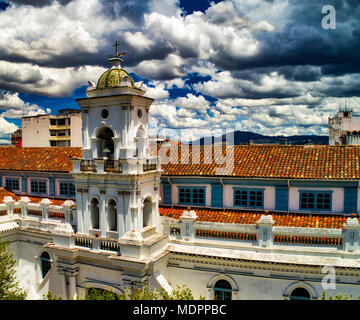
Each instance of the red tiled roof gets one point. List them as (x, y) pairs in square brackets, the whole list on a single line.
[(270, 161), (251, 217), (4, 193), (254, 161), (52, 159)]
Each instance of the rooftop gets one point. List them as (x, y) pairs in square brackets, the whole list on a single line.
[(320, 162)]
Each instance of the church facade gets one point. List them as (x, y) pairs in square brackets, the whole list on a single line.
[(267, 222)]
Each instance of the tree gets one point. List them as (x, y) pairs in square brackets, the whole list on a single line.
[(142, 293), (9, 287)]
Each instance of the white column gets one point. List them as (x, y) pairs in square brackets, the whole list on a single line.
[(72, 285), (44, 208), (120, 214), (102, 216), (10, 205), (80, 211), (23, 202), (85, 212), (62, 275), (126, 211)]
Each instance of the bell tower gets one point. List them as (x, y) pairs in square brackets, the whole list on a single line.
[(117, 181)]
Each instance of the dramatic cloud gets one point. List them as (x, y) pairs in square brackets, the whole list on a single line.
[(11, 106), (255, 65)]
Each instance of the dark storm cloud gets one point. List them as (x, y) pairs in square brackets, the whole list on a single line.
[(303, 41), (131, 9), (38, 3)]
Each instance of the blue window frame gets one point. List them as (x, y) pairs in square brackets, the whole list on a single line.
[(192, 195), (315, 200), (67, 189), (45, 264), (249, 197), (38, 186), (222, 290), (12, 184)]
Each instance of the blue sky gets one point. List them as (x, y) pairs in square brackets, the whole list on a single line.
[(266, 66)]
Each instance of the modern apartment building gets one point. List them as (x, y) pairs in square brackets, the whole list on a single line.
[(62, 130)]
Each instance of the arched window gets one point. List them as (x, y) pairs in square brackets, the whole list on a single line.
[(300, 294), (222, 290), (147, 212), (112, 215), (45, 263), (106, 143), (140, 143), (94, 212)]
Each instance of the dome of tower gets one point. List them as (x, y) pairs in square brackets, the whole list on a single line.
[(115, 78)]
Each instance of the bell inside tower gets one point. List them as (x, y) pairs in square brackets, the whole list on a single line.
[(106, 143)]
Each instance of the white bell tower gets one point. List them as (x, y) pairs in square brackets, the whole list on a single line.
[(117, 181)]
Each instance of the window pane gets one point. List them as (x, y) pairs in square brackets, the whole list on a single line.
[(201, 196), (244, 198), (182, 195), (187, 196), (195, 196)]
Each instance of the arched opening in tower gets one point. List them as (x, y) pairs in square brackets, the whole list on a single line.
[(94, 213), (106, 143), (112, 215), (140, 143), (147, 210)]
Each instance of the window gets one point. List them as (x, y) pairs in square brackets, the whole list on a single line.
[(12, 184), (38, 186), (45, 263), (104, 113), (67, 189), (192, 195), (300, 294), (222, 290), (61, 122), (318, 200), (253, 198)]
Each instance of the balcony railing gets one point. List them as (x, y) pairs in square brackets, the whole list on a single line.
[(113, 166), (149, 165), (109, 245), (87, 165), (83, 242)]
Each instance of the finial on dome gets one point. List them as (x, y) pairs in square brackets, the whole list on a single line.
[(115, 59)]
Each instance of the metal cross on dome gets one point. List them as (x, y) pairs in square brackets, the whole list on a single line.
[(116, 44)]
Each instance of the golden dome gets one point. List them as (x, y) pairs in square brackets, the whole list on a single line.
[(115, 78)]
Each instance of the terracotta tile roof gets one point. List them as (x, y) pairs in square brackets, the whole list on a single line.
[(251, 217), (270, 161), (255, 161), (281, 219), (4, 193), (50, 159)]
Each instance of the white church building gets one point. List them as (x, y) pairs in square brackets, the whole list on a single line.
[(280, 222)]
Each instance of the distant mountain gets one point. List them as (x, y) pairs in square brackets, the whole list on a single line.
[(245, 137)]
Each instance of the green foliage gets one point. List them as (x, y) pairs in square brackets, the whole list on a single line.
[(145, 292), (339, 296), (50, 296), (142, 293), (9, 287)]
